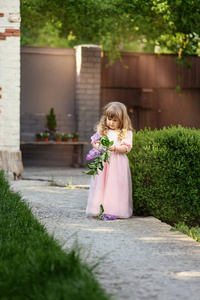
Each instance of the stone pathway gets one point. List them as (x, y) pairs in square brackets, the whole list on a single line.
[(140, 258)]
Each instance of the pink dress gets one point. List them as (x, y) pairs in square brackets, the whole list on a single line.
[(113, 186)]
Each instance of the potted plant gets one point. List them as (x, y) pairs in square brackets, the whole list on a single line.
[(65, 137), (58, 137), (39, 136), (75, 136), (69, 136), (46, 136)]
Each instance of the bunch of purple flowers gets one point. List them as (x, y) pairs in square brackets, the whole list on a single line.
[(93, 154), (105, 217), (99, 155)]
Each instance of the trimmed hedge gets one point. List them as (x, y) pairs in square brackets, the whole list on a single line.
[(32, 263), (165, 167)]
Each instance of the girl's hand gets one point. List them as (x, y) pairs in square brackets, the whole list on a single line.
[(95, 145), (112, 148)]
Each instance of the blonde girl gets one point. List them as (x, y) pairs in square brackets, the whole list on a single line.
[(112, 187)]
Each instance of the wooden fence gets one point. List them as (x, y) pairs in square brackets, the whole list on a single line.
[(146, 84)]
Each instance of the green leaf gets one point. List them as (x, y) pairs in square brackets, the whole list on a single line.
[(91, 166), (101, 209), (89, 172), (106, 157), (95, 173), (100, 166), (103, 156)]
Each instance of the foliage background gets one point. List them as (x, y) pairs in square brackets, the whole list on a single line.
[(133, 25)]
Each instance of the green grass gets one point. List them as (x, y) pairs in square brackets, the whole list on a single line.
[(193, 232), (32, 263)]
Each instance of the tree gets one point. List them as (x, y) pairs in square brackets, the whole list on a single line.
[(171, 26)]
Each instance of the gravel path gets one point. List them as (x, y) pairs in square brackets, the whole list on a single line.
[(140, 257)]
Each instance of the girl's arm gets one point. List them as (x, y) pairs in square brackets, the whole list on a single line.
[(125, 145), (120, 149)]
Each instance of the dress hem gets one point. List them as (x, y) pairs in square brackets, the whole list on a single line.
[(119, 217)]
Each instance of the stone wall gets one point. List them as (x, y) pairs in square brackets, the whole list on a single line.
[(10, 83), (33, 122), (88, 84)]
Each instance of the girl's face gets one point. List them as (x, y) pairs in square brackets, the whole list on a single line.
[(112, 123)]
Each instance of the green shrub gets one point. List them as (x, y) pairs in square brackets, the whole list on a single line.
[(32, 264), (165, 167)]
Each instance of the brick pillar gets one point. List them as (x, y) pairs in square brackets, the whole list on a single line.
[(10, 155), (88, 82)]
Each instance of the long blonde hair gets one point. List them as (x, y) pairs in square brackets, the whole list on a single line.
[(115, 110)]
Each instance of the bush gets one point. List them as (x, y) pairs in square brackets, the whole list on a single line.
[(165, 167), (32, 263)]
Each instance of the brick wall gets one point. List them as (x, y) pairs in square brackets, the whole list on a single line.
[(88, 77), (31, 123), (10, 85)]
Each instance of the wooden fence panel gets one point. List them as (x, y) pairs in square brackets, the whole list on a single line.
[(122, 74), (167, 75), (146, 84), (146, 71)]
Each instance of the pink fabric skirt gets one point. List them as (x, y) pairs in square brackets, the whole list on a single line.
[(112, 188)]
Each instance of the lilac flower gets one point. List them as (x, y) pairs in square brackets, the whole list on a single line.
[(108, 217), (102, 149), (95, 138), (93, 154)]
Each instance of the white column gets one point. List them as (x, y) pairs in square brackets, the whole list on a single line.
[(10, 86)]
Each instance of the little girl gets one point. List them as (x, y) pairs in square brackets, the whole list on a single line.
[(112, 187)]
